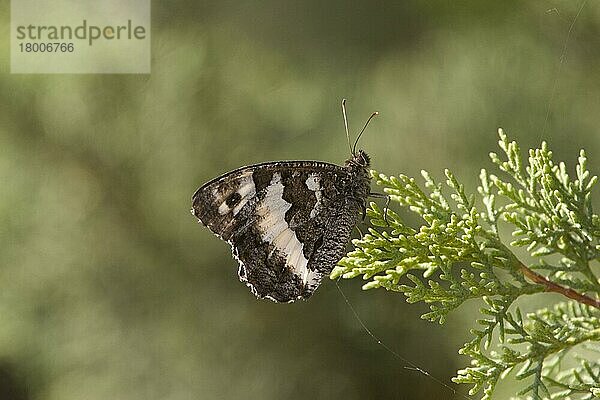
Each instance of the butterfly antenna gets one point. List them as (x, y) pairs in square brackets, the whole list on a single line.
[(362, 130), (346, 124)]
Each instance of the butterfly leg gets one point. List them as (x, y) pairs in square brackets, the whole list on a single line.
[(387, 204), (386, 208), (360, 232)]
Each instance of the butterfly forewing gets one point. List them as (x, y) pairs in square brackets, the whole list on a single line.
[(287, 222)]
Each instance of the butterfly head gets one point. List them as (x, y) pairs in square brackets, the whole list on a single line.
[(359, 159)]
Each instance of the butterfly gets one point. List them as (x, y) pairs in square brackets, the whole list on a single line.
[(288, 222)]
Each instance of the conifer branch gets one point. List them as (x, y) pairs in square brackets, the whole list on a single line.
[(554, 287), (458, 254)]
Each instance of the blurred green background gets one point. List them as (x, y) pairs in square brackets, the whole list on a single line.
[(109, 288)]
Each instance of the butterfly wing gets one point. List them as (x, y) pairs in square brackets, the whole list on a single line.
[(288, 223)]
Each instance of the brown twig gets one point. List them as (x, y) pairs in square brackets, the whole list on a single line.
[(554, 287)]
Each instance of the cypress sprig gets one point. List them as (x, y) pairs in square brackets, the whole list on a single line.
[(457, 254)]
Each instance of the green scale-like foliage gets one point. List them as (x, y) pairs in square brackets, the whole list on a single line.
[(458, 254)]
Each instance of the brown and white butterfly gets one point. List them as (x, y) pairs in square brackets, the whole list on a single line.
[(288, 222)]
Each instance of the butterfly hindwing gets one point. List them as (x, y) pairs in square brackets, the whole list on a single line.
[(288, 223)]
